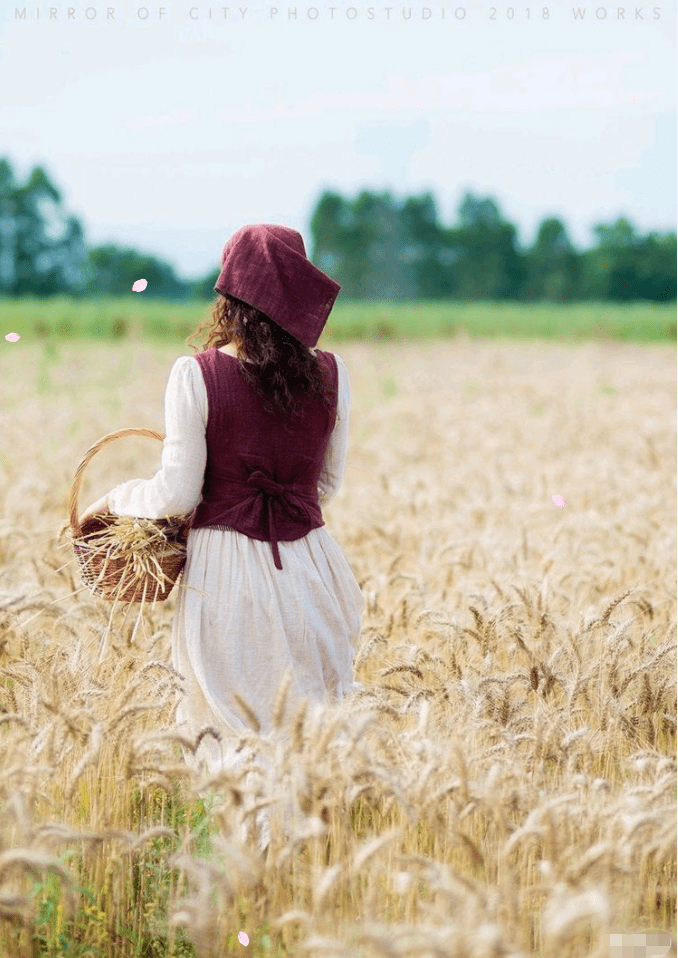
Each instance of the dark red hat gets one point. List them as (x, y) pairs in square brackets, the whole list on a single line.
[(266, 266)]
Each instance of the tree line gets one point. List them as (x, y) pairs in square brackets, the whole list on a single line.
[(373, 245)]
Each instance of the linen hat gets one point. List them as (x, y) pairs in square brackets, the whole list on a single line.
[(266, 266)]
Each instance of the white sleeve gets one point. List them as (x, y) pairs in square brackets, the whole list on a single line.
[(334, 461), (176, 489)]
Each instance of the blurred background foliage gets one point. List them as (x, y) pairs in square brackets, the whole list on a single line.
[(376, 248)]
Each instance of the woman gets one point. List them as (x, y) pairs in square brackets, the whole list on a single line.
[(256, 433)]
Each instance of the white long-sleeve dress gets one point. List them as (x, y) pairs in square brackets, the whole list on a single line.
[(239, 622)]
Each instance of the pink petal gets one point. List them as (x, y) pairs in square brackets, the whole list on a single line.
[(140, 285), (12, 337), (242, 938), (559, 501)]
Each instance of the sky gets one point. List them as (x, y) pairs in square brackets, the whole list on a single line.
[(166, 129)]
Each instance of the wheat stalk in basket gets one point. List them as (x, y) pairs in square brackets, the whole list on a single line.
[(124, 558)]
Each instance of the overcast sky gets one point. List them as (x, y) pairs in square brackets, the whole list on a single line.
[(171, 132)]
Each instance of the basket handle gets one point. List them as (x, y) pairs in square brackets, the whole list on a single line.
[(76, 528)]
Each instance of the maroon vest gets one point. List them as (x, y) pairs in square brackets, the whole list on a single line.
[(262, 470)]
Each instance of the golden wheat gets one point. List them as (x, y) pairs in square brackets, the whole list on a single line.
[(504, 781)]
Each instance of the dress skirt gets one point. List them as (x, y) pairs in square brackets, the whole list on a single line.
[(240, 624)]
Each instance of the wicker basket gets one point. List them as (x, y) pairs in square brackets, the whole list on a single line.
[(110, 574)]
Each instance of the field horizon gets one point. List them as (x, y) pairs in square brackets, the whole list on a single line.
[(134, 317)]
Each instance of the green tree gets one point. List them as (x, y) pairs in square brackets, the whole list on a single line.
[(656, 267), (7, 225), (427, 253), (489, 266), (553, 265), (203, 287), (387, 276), (376, 250), (330, 223), (628, 267), (114, 270), (43, 249)]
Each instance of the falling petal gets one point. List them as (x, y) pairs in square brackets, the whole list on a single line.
[(559, 501), (242, 938), (12, 337), (140, 285)]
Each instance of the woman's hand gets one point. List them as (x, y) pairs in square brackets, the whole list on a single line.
[(100, 507)]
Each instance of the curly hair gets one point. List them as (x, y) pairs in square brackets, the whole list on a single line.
[(280, 364)]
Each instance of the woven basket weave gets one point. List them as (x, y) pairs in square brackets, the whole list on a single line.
[(114, 582)]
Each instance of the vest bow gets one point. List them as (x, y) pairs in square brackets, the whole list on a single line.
[(289, 500)]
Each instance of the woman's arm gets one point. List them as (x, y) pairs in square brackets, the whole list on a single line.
[(334, 461), (176, 489)]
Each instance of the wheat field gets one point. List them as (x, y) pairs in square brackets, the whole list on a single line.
[(505, 782)]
